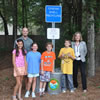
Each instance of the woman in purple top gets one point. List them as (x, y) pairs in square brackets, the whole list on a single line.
[(20, 67)]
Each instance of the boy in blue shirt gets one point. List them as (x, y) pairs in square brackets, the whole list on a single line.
[(33, 60)]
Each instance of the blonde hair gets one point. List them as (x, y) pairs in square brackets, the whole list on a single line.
[(75, 36)]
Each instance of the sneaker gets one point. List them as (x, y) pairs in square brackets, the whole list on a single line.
[(63, 91), (84, 91), (27, 94), (33, 95), (72, 91)]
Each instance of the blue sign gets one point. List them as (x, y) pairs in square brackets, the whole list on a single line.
[(53, 14)]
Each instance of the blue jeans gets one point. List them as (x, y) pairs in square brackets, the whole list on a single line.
[(67, 82)]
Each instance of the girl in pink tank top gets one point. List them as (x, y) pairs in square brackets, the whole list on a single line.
[(20, 67)]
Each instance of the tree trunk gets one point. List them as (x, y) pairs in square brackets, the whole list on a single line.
[(5, 23), (23, 13), (75, 14), (97, 18), (14, 19), (3, 16), (69, 17), (80, 15), (91, 44), (26, 17)]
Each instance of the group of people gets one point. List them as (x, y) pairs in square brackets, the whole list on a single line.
[(28, 63)]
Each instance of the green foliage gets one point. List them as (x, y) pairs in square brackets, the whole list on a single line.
[(6, 78), (98, 87), (91, 5)]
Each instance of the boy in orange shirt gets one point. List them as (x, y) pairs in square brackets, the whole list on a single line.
[(47, 66)]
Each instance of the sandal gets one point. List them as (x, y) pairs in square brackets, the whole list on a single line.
[(14, 98), (43, 93), (19, 98), (40, 94)]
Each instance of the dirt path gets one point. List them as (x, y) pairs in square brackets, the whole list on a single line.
[(5, 62), (7, 82)]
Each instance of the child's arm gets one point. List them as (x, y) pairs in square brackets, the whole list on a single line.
[(25, 64), (54, 58), (13, 61), (62, 56), (53, 67), (42, 67), (71, 56)]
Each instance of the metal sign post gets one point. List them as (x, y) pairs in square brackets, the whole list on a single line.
[(53, 40)]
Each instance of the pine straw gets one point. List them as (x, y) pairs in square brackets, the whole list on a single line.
[(7, 82)]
